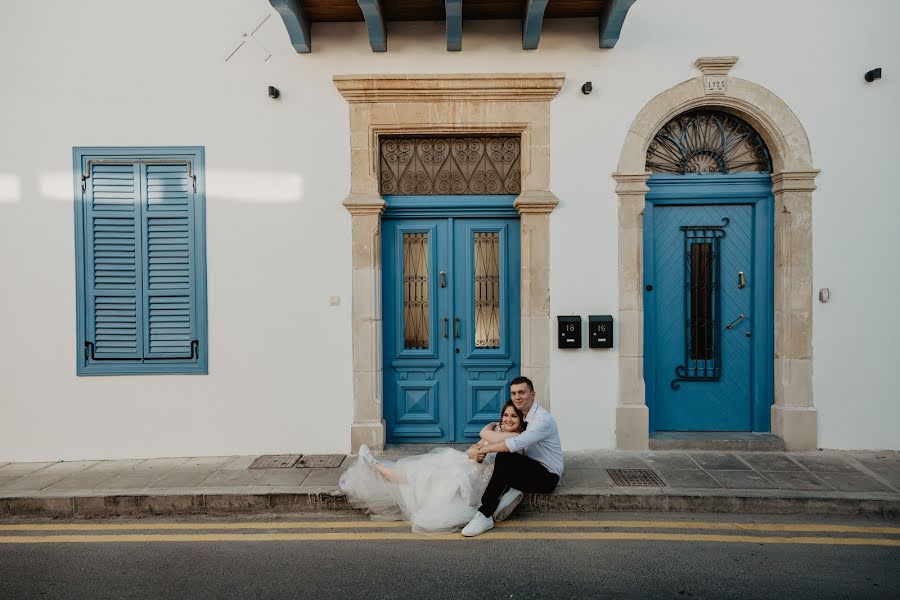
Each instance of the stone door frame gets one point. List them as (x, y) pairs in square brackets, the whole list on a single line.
[(794, 417), (484, 103)]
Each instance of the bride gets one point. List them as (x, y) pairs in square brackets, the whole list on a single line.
[(435, 492)]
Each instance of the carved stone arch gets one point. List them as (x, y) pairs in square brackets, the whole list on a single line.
[(794, 416)]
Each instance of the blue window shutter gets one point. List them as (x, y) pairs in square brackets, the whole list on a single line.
[(170, 265), (112, 250)]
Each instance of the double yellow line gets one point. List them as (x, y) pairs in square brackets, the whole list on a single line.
[(571, 530)]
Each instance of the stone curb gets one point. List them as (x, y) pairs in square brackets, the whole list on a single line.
[(129, 505)]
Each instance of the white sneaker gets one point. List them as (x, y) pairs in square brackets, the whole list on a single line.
[(478, 525), (366, 455), (508, 502)]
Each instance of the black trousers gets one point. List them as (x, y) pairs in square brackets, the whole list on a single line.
[(512, 470)]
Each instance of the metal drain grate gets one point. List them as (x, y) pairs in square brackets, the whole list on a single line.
[(321, 461), (275, 461), (636, 477)]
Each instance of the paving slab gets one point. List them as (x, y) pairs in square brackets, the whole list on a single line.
[(16, 469), (585, 478), (281, 477), (6, 480), (770, 461), (853, 482), (796, 480), (231, 477), (322, 477), (688, 478), (741, 480), (47, 476), (85, 480), (142, 474), (824, 463), (719, 461), (669, 460), (239, 462)]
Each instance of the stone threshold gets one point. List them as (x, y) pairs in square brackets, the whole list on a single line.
[(716, 440)]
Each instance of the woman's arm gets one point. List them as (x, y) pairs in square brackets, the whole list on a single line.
[(489, 435)]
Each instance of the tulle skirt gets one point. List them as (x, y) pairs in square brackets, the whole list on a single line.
[(436, 492)]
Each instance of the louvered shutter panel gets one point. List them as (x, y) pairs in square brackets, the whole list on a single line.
[(113, 278), (170, 283)]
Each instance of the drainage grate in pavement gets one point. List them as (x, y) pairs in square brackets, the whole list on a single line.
[(321, 461), (635, 477), (275, 461)]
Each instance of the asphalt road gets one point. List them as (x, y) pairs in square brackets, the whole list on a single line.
[(667, 556)]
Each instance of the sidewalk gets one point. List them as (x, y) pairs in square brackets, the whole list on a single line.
[(832, 482)]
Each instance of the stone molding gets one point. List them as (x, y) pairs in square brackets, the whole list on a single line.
[(794, 416), (715, 65), (484, 103), (509, 87)]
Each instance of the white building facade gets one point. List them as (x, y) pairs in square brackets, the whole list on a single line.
[(193, 267)]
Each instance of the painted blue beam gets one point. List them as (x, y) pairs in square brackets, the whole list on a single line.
[(532, 23), (372, 13), (296, 22), (454, 24), (611, 21)]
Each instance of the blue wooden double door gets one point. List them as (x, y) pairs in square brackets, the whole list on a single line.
[(708, 276), (450, 303)]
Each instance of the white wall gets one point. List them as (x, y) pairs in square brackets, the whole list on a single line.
[(136, 73)]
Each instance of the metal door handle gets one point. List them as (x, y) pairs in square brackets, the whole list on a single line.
[(456, 327), (445, 328), (742, 283), (443, 280), (733, 324)]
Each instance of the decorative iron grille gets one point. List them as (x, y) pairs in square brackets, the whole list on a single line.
[(451, 165), (707, 141), (415, 290), (702, 304), (487, 289)]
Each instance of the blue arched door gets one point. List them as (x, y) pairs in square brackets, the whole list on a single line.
[(708, 280)]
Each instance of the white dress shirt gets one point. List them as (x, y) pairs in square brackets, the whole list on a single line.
[(541, 440)]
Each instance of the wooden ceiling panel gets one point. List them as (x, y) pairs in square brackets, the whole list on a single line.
[(433, 10), (564, 9)]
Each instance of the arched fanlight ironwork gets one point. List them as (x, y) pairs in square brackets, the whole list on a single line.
[(708, 141)]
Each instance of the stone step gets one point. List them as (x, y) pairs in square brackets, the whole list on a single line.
[(716, 440)]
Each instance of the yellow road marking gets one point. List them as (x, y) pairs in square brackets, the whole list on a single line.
[(497, 535), (783, 527)]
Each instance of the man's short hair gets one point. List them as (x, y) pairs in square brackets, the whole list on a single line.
[(520, 380)]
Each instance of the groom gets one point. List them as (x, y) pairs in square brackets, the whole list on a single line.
[(537, 470)]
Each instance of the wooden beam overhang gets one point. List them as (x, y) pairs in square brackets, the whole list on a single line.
[(532, 23), (453, 9), (374, 16), (298, 15), (296, 22), (612, 20)]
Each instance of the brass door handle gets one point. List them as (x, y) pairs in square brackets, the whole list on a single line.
[(734, 323), (742, 283), (445, 328), (456, 328)]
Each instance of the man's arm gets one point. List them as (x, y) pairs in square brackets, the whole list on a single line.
[(489, 435)]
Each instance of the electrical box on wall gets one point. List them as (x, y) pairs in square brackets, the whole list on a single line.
[(600, 331), (569, 332)]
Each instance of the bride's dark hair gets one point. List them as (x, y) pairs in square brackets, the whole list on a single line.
[(522, 423)]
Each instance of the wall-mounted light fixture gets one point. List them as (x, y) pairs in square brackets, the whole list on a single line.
[(273, 92), (587, 88), (873, 75)]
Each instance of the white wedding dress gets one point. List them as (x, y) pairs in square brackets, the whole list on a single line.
[(440, 490)]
